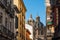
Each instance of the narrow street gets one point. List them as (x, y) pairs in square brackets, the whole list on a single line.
[(29, 19)]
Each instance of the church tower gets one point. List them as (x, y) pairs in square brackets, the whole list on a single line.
[(39, 35), (31, 20)]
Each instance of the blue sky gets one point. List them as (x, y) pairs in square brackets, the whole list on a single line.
[(36, 7)]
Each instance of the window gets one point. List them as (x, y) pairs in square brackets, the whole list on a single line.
[(0, 17), (58, 15), (6, 22), (16, 22), (48, 31), (17, 33), (58, 2), (20, 10), (4, 30), (10, 26), (9, 5), (8, 2), (5, 2), (59, 10), (41, 32), (53, 2), (20, 19), (20, 34), (22, 14)]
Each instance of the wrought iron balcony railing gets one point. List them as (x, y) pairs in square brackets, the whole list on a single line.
[(3, 3), (6, 32), (8, 7), (50, 34)]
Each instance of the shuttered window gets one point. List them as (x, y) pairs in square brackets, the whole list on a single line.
[(16, 22)]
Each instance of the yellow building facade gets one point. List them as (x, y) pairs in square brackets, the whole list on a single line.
[(21, 19)]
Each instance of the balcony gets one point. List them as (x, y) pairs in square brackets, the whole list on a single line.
[(10, 11), (5, 32), (3, 3), (49, 34), (58, 3), (8, 7)]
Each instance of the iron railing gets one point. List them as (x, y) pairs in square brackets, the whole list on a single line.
[(6, 32), (3, 3), (8, 8)]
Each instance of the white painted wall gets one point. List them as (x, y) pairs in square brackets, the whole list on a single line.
[(30, 28)]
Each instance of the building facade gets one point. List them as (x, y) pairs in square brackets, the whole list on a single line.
[(30, 28), (20, 22), (55, 4), (39, 29), (31, 22), (6, 20), (49, 21), (28, 34)]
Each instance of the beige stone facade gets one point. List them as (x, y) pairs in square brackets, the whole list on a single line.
[(6, 21)]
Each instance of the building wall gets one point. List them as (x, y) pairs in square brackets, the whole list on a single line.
[(28, 34), (39, 28), (7, 25), (32, 22), (30, 28), (56, 11), (49, 22), (9, 20), (21, 20)]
